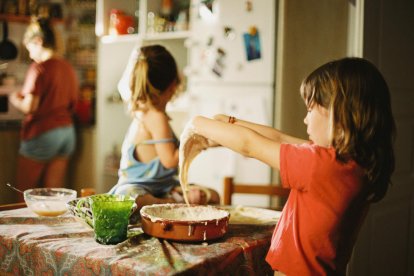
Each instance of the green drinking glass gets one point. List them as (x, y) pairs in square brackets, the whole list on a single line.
[(110, 217)]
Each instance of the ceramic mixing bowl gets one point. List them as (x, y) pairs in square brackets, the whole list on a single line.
[(184, 223)]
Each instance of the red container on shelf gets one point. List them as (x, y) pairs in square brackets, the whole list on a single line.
[(120, 23), (85, 105)]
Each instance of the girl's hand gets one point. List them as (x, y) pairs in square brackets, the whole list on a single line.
[(197, 196), (15, 98), (212, 144), (202, 142)]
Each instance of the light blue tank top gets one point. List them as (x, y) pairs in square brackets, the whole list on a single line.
[(151, 176)]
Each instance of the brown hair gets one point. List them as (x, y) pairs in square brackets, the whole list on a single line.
[(361, 125), (154, 71)]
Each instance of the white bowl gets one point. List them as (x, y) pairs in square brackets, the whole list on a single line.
[(49, 202)]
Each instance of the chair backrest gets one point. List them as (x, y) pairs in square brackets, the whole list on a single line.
[(230, 188), (12, 206), (87, 192)]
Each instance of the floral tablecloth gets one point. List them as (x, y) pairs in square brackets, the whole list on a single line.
[(32, 245)]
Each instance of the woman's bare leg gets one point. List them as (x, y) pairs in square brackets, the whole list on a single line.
[(29, 174), (55, 174)]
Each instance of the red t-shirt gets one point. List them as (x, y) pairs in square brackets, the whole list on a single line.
[(322, 215), (56, 84)]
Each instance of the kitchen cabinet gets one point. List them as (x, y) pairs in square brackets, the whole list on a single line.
[(148, 30), (154, 19), (113, 51), (9, 141)]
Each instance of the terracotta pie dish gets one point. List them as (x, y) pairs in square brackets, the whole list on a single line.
[(180, 222)]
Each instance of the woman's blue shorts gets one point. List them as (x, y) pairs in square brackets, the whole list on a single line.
[(57, 142)]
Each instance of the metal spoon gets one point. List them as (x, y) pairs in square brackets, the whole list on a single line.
[(14, 188)]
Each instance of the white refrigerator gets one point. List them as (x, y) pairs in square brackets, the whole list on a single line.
[(231, 71)]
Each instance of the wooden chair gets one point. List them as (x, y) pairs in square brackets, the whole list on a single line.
[(230, 188), (12, 206), (87, 192)]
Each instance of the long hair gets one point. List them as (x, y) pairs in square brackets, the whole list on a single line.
[(361, 122), (154, 71)]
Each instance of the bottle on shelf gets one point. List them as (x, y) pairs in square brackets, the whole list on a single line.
[(166, 13), (85, 108)]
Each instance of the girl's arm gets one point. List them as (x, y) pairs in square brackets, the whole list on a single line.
[(26, 104), (266, 131), (244, 137), (158, 125)]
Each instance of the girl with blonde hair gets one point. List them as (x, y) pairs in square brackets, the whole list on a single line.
[(149, 161)]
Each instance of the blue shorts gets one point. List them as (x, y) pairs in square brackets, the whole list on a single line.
[(58, 142)]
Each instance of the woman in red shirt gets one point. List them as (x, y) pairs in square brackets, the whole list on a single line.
[(345, 165), (47, 99)]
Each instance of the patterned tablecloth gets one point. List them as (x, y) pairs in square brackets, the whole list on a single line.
[(32, 245)]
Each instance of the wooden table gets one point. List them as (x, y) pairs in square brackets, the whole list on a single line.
[(32, 245)]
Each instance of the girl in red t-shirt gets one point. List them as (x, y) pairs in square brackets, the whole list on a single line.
[(346, 164)]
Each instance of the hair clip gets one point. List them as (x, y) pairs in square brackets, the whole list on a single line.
[(232, 120)]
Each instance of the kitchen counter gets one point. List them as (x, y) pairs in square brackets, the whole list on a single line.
[(9, 147), (10, 124)]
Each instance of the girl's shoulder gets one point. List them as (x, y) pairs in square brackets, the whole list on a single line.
[(312, 148), (309, 153), (153, 117), (57, 63)]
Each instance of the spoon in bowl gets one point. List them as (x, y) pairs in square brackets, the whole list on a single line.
[(14, 188)]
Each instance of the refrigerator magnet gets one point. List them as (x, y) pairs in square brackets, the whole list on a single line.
[(219, 63), (252, 44), (249, 5), (229, 33), (210, 41)]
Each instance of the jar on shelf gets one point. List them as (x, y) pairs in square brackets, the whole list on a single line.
[(120, 23), (85, 106)]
